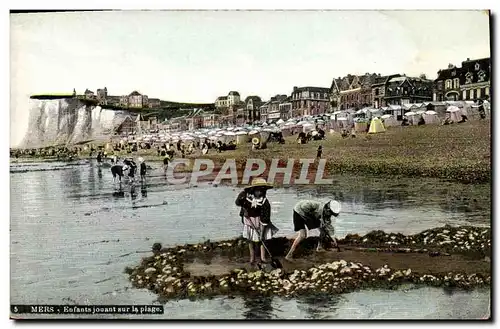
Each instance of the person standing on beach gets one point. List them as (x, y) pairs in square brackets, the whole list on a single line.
[(320, 151), (143, 169), (166, 160), (256, 216), (313, 214)]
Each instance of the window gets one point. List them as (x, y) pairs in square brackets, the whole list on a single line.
[(377, 91), (468, 78), (464, 94), (448, 84), (471, 94), (456, 83), (481, 76), (487, 91), (478, 93), (477, 66)]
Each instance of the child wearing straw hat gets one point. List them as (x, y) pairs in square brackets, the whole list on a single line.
[(256, 216)]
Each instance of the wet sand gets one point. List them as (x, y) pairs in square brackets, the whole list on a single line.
[(421, 263)]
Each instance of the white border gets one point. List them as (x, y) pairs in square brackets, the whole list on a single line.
[(200, 4)]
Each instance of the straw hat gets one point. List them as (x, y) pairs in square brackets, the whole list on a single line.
[(259, 182), (334, 206)]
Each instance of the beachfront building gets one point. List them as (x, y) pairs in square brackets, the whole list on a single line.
[(285, 108), (472, 81), (263, 111), (476, 81), (194, 120), (222, 103), (310, 100), (210, 120), (408, 90), (177, 124), (273, 110), (378, 90), (127, 126), (252, 108), (447, 85), (353, 91)]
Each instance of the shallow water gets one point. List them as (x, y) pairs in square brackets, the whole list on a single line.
[(71, 238)]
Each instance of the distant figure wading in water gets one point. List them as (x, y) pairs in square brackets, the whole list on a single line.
[(313, 214), (256, 216), (132, 168), (117, 170)]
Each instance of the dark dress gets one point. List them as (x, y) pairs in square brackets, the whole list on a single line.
[(256, 219)]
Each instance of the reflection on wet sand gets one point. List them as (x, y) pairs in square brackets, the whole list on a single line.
[(66, 214), (319, 306), (258, 308)]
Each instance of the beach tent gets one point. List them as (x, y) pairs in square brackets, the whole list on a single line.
[(389, 120), (412, 118), (408, 106), (455, 113), (376, 126), (241, 137), (360, 126), (307, 127), (430, 117)]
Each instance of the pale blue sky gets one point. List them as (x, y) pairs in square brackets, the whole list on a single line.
[(199, 55)]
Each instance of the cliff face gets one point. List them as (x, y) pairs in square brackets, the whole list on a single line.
[(68, 120)]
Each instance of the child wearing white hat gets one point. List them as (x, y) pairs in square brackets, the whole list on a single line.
[(313, 214)]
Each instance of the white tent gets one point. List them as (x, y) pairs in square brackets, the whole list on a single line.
[(430, 117), (242, 137), (412, 118), (389, 120), (307, 127), (455, 113)]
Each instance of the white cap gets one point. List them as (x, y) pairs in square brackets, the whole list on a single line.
[(334, 206), (140, 159), (125, 167)]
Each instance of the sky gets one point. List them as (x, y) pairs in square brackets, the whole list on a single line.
[(196, 56)]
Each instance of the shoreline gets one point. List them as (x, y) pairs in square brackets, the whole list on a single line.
[(332, 167), (460, 153)]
